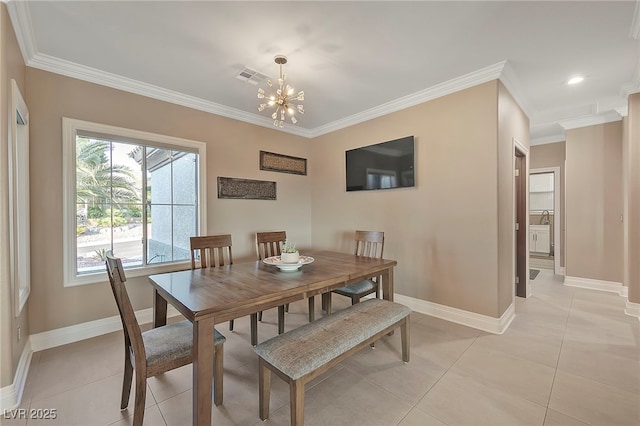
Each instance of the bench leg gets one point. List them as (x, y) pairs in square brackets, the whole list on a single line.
[(296, 397), (404, 334), (264, 391), (312, 309)]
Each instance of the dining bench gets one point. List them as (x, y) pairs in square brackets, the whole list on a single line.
[(306, 352)]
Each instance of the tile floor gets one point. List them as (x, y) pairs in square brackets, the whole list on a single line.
[(570, 357)]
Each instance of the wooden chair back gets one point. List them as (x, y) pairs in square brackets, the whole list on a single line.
[(369, 244), (212, 250), (132, 332), (269, 243)]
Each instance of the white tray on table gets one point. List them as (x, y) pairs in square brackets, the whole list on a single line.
[(277, 262)]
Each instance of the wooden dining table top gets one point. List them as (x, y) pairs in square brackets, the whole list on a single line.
[(232, 291)]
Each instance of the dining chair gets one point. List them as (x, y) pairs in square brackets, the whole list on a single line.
[(269, 244), (368, 244), (209, 251), (154, 351)]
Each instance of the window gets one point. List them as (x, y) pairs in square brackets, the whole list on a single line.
[(381, 179), (138, 194), (541, 189)]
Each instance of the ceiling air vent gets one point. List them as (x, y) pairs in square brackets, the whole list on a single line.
[(250, 76)]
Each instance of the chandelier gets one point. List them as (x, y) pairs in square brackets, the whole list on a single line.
[(283, 98)]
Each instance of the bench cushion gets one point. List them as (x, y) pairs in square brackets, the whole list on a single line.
[(305, 349)]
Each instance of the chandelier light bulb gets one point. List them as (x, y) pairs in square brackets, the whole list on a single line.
[(284, 100)]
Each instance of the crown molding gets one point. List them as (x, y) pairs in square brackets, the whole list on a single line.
[(23, 28), (548, 139), (492, 72), (607, 117), (623, 110), (633, 86), (510, 80), (93, 75)]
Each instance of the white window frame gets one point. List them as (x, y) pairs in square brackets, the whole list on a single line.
[(70, 128), (19, 217)]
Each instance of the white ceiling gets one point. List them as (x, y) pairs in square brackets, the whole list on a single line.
[(354, 60)]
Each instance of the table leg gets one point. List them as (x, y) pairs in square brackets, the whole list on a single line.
[(281, 319), (159, 310), (387, 284), (203, 352)]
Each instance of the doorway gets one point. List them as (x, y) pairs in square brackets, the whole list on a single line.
[(544, 219), (521, 221)]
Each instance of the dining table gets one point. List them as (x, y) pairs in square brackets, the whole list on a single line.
[(209, 296)]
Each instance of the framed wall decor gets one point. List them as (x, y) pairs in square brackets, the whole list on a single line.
[(282, 163), (246, 189)]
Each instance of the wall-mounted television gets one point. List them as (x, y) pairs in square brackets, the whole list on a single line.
[(385, 165)]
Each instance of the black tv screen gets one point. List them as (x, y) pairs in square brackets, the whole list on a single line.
[(384, 165)]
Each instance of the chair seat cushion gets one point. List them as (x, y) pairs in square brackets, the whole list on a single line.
[(170, 342), (359, 288)]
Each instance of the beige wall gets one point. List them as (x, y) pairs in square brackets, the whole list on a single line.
[(11, 67), (632, 197), (444, 232), (594, 202), (553, 155), (232, 150)]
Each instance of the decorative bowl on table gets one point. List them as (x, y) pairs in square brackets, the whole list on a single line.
[(284, 266)]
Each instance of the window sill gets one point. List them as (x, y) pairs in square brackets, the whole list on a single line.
[(130, 273)]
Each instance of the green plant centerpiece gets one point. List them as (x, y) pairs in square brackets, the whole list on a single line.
[(289, 252)]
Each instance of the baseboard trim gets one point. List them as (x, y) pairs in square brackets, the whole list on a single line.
[(459, 316), (610, 286), (632, 309), (87, 330), (11, 396)]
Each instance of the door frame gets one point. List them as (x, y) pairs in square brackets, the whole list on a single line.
[(521, 196), (557, 213)]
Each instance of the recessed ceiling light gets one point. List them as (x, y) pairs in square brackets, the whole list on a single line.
[(575, 80)]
